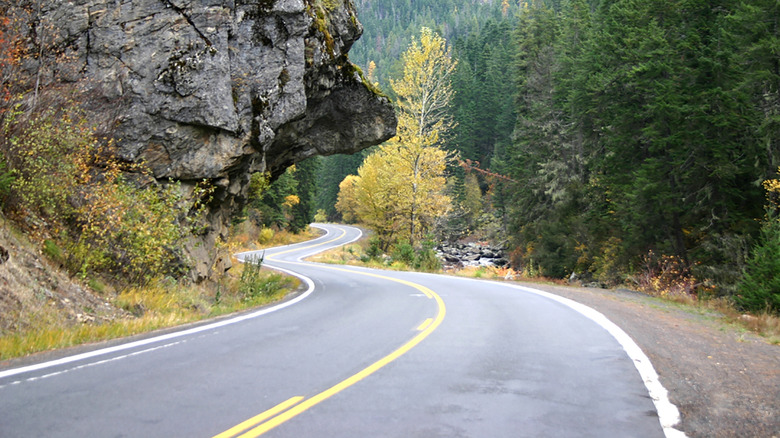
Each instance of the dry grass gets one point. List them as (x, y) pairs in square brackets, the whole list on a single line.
[(247, 236), (345, 255), (284, 237), (42, 324), (153, 308), (159, 306), (764, 324)]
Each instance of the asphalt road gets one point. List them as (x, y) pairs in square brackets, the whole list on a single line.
[(361, 353)]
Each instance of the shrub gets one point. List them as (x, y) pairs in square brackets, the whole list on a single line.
[(404, 253), (374, 250), (48, 152), (265, 235), (67, 186), (250, 276), (666, 276), (426, 259), (6, 180), (760, 286), (256, 284), (53, 251)]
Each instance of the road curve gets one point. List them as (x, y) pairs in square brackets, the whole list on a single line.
[(359, 353)]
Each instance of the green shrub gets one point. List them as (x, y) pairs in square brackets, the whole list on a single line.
[(65, 185), (760, 286), (374, 250), (251, 273), (97, 285), (6, 180), (53, 251), (256, 284), (426, 259), (404, 253), (48, 153)]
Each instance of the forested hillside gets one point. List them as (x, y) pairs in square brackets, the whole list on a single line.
[(474, 26), (623, 141), (644, 132)]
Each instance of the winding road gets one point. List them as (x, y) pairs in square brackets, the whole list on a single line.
[(359, 353)]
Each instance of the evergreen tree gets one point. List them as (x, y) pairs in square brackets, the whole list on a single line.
[(303, 212)]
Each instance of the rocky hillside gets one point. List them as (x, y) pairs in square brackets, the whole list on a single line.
[(215, 89)]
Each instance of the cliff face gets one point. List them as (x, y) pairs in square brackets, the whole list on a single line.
[(218, 89)]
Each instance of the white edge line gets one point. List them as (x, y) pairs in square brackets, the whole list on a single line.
[(668, 414), (169, 336), (355, 239), (324, 236), (143, 342)]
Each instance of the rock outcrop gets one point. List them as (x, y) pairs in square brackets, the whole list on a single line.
[(218, 89)]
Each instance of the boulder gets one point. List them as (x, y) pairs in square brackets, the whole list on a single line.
[(216, 90)]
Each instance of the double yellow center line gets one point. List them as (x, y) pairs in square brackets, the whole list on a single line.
[(294, 406)]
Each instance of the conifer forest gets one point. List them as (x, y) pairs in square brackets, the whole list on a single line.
[(624, 141)]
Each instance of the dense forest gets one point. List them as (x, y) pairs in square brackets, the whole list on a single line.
[(644, 132), (614, 142), (624, 141)]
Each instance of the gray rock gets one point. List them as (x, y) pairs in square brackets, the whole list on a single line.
[(455, 254), (218, 89)]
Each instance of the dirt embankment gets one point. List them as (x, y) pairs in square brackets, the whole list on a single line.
[(726, 382), (33, 292)]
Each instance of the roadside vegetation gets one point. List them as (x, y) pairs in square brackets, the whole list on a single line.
[(74, 312), (663, 285)]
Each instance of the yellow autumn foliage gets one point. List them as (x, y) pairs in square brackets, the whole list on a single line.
[(399, 189)]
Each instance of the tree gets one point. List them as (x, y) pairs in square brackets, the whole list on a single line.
[(425, 90), (347, 203), (424, 95), (371, 197), (759, 288), (303, 211), (332, 171), (399, 189)]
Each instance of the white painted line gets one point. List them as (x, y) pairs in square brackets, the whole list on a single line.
[(169, 336), (668, 414), (242, 255), (174, 335), (91, 364), (355, 239)]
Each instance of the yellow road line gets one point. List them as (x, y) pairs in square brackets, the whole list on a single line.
[(299, 408), (281, 407), (424, 325)]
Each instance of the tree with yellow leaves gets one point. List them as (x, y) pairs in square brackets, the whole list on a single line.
[(399, 190), (425, 90)]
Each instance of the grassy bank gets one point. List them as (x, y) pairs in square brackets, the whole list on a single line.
[(56, 320)]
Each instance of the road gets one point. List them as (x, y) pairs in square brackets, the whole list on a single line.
[(360, 353)]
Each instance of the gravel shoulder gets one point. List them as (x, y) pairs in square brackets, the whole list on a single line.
[(725, 381)]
